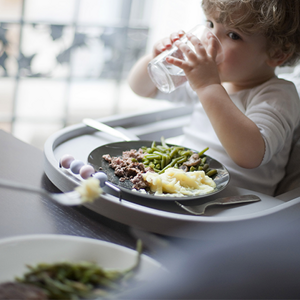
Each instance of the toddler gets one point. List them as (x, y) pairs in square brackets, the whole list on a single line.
[(243, 112)]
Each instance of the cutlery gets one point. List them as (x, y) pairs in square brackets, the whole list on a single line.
[(200, 209), (105, 128), (69, 198)]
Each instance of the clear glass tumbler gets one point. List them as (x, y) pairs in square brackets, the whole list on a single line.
[(168, 77)]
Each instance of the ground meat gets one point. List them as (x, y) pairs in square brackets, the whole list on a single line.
[(129, 166), (137, 154), (107, 157), (139, 182), (21, 291)]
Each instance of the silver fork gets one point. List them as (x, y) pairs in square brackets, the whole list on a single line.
[(69, 198), (200, 209)]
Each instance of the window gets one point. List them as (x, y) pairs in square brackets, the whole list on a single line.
[(63, 60)]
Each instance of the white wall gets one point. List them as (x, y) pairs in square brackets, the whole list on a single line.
[(168, 16)]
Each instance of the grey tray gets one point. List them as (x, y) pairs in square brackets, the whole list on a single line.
[(159, 217)]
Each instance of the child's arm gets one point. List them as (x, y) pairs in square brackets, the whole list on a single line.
[(239, 135), (139, 79)]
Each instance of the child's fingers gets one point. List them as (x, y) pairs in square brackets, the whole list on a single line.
[(167, 43), (161, 46), (177, 62), (189, 53), (158, 48), (175, 36), (181, 33), (212, 48), (199, 48)]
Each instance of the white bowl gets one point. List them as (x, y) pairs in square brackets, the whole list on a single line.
[(17, 252)]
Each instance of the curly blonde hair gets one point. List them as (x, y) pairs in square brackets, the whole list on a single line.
[(277, 20)]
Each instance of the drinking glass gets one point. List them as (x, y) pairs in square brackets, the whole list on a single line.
[(168, 77)]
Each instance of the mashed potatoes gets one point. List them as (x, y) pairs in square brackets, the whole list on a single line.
[(178, 183), (89, 190)]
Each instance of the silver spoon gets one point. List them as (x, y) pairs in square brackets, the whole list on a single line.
[(69, 198)]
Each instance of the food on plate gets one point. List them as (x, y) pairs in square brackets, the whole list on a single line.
[(178, 183), (15, 290), (66, 280), (89, 189), (139, 165), (129, 166), (161, 157)]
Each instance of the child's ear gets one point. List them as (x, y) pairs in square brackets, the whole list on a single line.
[(277, 58)]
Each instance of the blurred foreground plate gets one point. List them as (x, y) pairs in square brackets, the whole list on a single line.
[(17, 252)]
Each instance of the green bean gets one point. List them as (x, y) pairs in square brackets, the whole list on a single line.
[(212, 172), (152, 156), (163, 162), (162, 148), (158, 152), (151, 165), (166, 157), (82, 280), (186, 152), (203, 151), (163, 142), (174, 152), (182, 159), (172, 163), (161, 157), (149, 150), (205, 167)]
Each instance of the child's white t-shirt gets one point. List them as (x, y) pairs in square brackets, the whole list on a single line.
[(275, 108)]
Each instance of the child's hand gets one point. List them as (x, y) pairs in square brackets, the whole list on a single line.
[(200, 68), (166, 43)]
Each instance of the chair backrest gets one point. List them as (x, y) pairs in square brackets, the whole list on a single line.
[(291, 180)]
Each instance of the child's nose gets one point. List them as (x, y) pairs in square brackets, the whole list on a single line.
[(216, 32)]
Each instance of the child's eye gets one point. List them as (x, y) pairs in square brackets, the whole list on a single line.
[(209, 24), (234, 36)]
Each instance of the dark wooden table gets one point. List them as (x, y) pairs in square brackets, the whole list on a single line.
[(268, 248), (25, 213)]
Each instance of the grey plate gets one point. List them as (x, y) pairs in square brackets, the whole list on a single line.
[(116, 149)]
